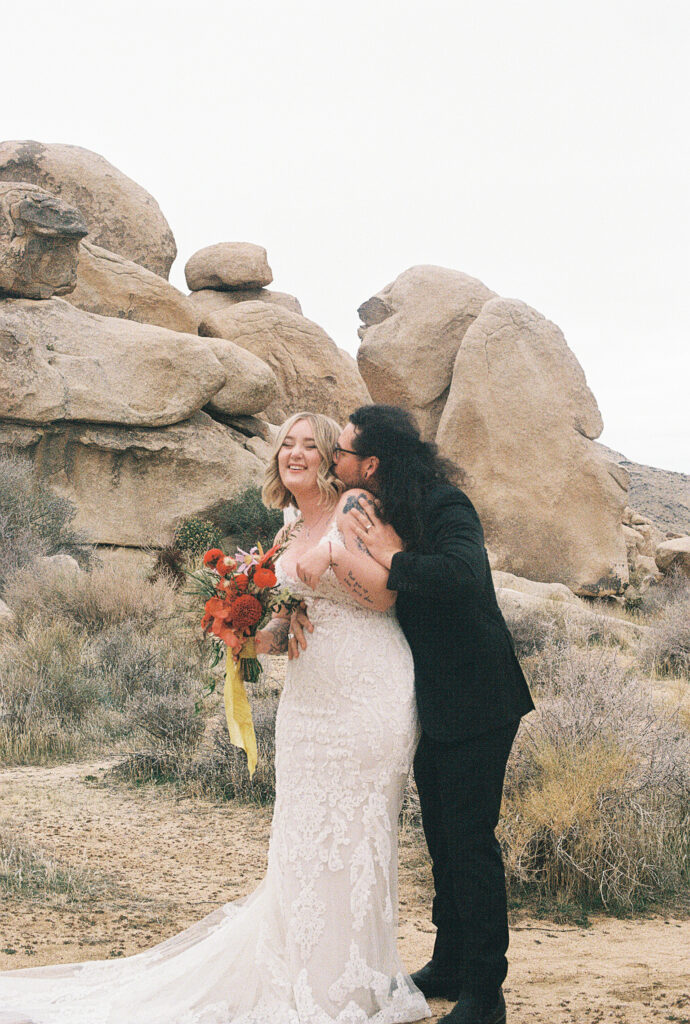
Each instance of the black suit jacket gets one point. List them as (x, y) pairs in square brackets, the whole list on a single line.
[(467, 678)]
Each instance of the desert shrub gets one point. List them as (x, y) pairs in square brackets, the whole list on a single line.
[(597, 797), (84, 646), (673, 587), (196, 536), (248, 520), (33, 520), (666, 648), (94, 599), (223, 774), (169, 563), (533, 627)]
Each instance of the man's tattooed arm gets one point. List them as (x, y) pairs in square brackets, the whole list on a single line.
[(274, 637)]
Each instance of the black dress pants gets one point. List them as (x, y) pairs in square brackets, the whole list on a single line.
[(460, 787)]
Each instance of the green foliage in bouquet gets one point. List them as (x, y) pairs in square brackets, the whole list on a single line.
[(248, 520), (196, 535)]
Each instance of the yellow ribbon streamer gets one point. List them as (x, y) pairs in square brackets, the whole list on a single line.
[(237, 709)]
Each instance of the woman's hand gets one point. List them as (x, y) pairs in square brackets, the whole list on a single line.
[(313, 564), (379, 539)]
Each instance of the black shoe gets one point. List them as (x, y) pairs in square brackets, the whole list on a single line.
[(434, 984), (470, 1009)]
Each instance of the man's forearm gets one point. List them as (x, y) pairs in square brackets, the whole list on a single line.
[(273, 638)]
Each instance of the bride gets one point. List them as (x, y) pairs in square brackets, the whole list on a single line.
[(315, 943)]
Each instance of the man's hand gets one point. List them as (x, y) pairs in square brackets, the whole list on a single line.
[(299, 623), (379, 539)]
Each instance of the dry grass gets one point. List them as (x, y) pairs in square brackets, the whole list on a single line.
[(597, 798), (96, 599), (34, 873), (95, 661)]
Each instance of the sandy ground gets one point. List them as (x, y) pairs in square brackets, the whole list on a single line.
[(158, 863)]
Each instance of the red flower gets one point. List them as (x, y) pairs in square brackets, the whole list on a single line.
[(241, 581), (211, 557), (226, 565), (246, 611), (265, 578)]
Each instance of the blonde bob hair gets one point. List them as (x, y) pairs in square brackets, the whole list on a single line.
[(274, 493)]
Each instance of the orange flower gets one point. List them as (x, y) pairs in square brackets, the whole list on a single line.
[(265, 578), (226, 634), (267, 560), (218, 609), (226, 565), (241, 581), (211, 557), (245, 612)]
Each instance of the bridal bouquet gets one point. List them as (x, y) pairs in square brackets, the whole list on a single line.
[(241, 594)]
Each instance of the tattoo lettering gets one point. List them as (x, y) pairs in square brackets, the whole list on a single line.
[(356, 588)]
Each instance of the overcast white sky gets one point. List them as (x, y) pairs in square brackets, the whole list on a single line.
[(541, 147)]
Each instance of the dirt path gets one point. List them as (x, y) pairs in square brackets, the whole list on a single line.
[(151, 864)]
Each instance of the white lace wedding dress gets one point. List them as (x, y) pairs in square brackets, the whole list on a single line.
[(315, 943)]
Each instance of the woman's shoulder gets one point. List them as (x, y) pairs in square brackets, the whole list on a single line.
[(355, 496)]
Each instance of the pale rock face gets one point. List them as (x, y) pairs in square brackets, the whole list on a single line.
[(210, 300), (548, 591), (512, 602), (411, 333), (39, 242), (60, 564), (312, 373), (132, 486), (251, 384), (109, 285), (120, 215), (59, 363), (674, 554), (518, 420), (228, 265)]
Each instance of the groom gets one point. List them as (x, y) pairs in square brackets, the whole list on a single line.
[(471, 692)]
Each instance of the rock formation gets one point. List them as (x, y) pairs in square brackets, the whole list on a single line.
[(251, 383), (60, 363), (496, 386), (519, 419), (312, 372), (133, 486), (120, 215), (228, 265), (39, 242), (210, 300), (674, 554), (110, 285), (412, 330)]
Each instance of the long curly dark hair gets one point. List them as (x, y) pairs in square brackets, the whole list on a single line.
[(407, 468)]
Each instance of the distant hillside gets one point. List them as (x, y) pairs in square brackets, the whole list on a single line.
[(659, 494)]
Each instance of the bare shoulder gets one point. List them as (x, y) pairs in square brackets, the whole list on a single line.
[(356, 496)]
